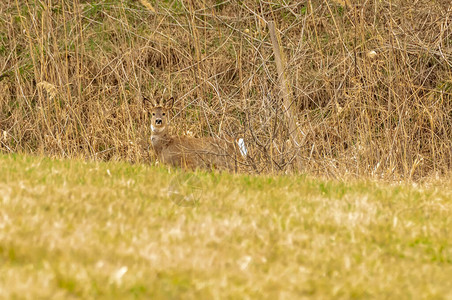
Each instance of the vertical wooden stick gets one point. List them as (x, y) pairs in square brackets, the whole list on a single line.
[(284, 85)]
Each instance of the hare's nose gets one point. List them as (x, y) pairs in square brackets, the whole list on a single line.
[(158, 122)]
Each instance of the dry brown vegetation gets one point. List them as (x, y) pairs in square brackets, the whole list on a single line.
[(370, 83)]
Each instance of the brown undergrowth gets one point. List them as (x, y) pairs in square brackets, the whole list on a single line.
[(370, 81)]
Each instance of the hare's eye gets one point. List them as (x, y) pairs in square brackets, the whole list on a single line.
[(163, 114), (153, 114)]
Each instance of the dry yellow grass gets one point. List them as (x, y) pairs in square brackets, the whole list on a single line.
[(371, 83), (92, 230)]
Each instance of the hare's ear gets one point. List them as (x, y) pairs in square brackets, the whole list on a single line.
[(169, 103)]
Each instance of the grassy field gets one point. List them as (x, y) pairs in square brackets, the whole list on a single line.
[(77, 229), (322, 88)]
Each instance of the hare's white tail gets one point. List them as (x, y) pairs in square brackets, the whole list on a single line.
[(242, 147)]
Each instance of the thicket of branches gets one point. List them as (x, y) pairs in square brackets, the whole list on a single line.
[(369, 82)]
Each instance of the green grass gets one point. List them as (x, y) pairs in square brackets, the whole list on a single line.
[(95, 230)]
